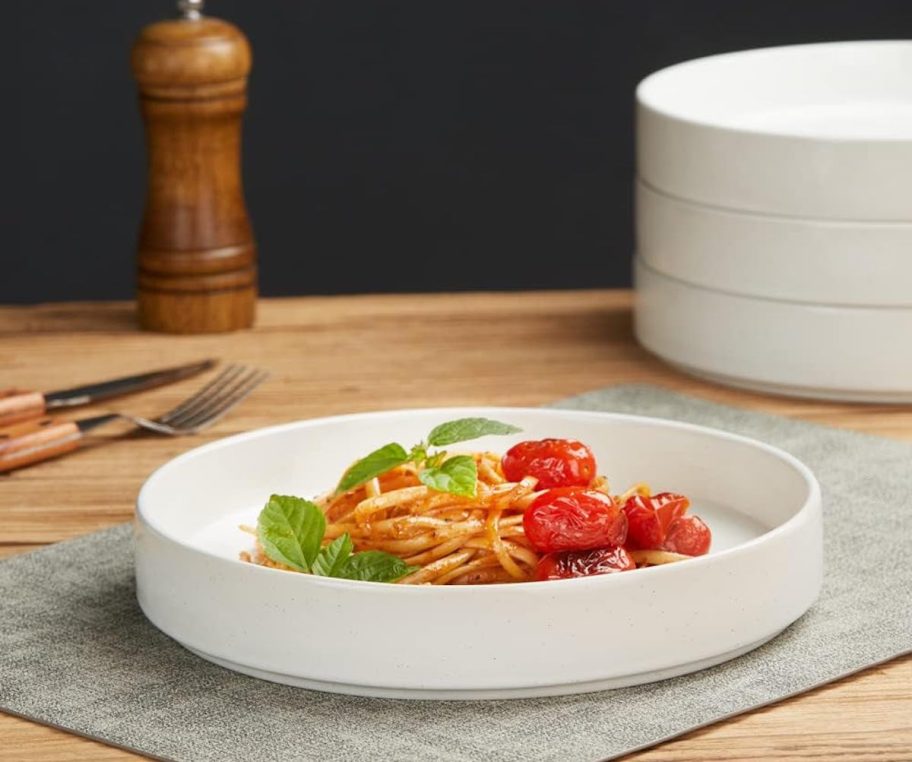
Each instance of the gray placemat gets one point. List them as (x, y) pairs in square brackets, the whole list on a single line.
[(76, 652)]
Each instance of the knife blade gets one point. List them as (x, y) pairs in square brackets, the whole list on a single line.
[(18, 405), (83, 395)]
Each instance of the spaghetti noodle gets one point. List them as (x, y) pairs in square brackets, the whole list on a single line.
[(453, 539)]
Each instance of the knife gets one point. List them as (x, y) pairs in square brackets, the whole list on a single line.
[(18, 405)]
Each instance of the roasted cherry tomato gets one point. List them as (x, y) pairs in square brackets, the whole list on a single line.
[(650, 517), (583, 563), (572, 518), (688, 535), (554, 462), (669, 506), (644, 530)]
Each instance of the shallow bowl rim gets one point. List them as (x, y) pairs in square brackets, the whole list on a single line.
[(811, 503), (647, 99)]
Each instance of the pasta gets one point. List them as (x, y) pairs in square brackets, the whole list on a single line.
[(456, 539)]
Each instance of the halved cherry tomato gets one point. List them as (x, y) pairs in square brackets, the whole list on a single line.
[(583, 563), (650, 517), (554, 462), (688, 535), (572, 518)]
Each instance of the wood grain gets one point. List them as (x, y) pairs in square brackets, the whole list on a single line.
[(19, 405), (347, 354), (30, 442), (197, 271)]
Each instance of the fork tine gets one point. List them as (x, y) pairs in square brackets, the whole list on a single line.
[(221, 406), (193, 402), (201, 410)]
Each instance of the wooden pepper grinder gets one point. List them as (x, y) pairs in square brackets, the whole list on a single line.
[(197, 257)]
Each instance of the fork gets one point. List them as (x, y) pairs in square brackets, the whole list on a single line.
[(32, 442)]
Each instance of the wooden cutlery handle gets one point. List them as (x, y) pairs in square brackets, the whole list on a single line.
[(32, 442), (18, 405)]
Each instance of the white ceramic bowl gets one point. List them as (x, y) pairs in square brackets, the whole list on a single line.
[(525, 639), (820, 130), (830, 262), (812, 350)]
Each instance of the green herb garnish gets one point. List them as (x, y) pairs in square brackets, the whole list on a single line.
[(333, 557), (378, 462), (376, 566), (457, 475), (291, 530), (463, 429)]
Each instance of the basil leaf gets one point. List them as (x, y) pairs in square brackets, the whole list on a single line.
[(290, 529), (468, 428), (457, 475), (378, 462), (332, 559), (375, 566)]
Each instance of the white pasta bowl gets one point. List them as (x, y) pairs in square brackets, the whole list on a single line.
[(823, 351), (830, 262), (506, 640), (822, 130)]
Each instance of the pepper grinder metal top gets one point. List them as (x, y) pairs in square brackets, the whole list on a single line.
[(197, 271), (190, 9)]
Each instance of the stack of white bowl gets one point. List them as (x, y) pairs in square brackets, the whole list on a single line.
[(774, 219)]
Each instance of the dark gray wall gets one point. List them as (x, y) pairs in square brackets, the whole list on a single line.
[(389, 146)]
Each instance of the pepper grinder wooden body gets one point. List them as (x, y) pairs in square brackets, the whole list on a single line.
[(197, 256)]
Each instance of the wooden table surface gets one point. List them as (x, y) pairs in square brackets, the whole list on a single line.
[(346, 354)]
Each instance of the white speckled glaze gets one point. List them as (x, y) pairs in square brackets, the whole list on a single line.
[(813, 350), (828, 262), (526, 639), (821, 130)]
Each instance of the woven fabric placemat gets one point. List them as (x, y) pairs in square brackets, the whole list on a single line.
[(76, 652)]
